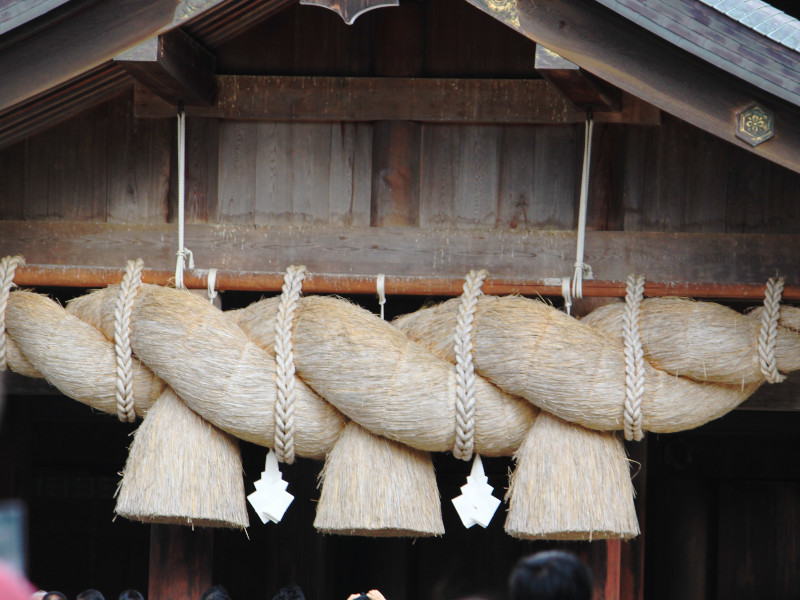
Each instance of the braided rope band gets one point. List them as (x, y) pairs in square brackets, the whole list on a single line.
[(768, 336), (465, 371), (284, 363), (634, 358), (122, 339), (8, 265)]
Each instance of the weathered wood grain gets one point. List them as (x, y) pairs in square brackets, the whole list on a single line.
[(12, 182), (516, 160), (522, 256), (274, 178), (298, 98), (311, 172), (202, 169), (351, 171), (557, 172), (396, 183), (237, 172), (138, 165)]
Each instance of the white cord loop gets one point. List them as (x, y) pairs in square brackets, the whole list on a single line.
[(284, 363), (634, 358), (211, 285), (582, 270), (380, 285), (8, 265), (183, 251), (122, 339), (465, 370), (566, 294), (768, 336)]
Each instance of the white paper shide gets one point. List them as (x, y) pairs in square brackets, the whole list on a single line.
[(270, 500), (476, 505)]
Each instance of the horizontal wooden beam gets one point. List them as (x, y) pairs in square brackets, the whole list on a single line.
[(640, 63), (290, 98), (582, 89), (173, 66), (415, 261)]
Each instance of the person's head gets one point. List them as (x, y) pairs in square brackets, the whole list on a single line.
[(54, 596), (217, 592), (90, 594), (552, 575), (131, 595), (290, 592)]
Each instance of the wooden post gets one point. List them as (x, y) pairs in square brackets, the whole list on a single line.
[(181, 559)]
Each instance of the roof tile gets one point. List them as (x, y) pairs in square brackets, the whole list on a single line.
[(782, 33), (773, 23), (759, 16), (724, 6), (744, 9)]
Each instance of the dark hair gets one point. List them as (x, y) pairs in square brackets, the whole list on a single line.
[(131, 595), (217, 592), (90, 594), (54, 596), (290, 592), (552, 575)]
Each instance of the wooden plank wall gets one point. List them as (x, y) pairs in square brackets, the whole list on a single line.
[(106, 166)]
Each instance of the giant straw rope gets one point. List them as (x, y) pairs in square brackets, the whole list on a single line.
[(290, 372)]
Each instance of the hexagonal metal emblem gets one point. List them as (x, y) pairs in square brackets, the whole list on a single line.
[(755, 125)]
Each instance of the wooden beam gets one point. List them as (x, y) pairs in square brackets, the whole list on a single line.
[(416, 261), (640, 63), (294, 98), (173, 66), (181, 561), (85, 39), (582, 89)]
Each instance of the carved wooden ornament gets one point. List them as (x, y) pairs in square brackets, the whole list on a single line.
[(755, 125), (350, 10)]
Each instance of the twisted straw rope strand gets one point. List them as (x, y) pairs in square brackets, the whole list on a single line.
[(122, 339), (634, 358), (8, 265), (768, 335), (284, 360), (465, 370)]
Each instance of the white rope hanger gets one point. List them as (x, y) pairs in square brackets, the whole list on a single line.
[(581, 268), (183, 251)]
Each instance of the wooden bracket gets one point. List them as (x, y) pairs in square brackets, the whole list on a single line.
[(173, 66), (582, 89)]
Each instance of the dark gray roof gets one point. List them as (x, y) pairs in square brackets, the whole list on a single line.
[(761, 17), (747, 38)]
